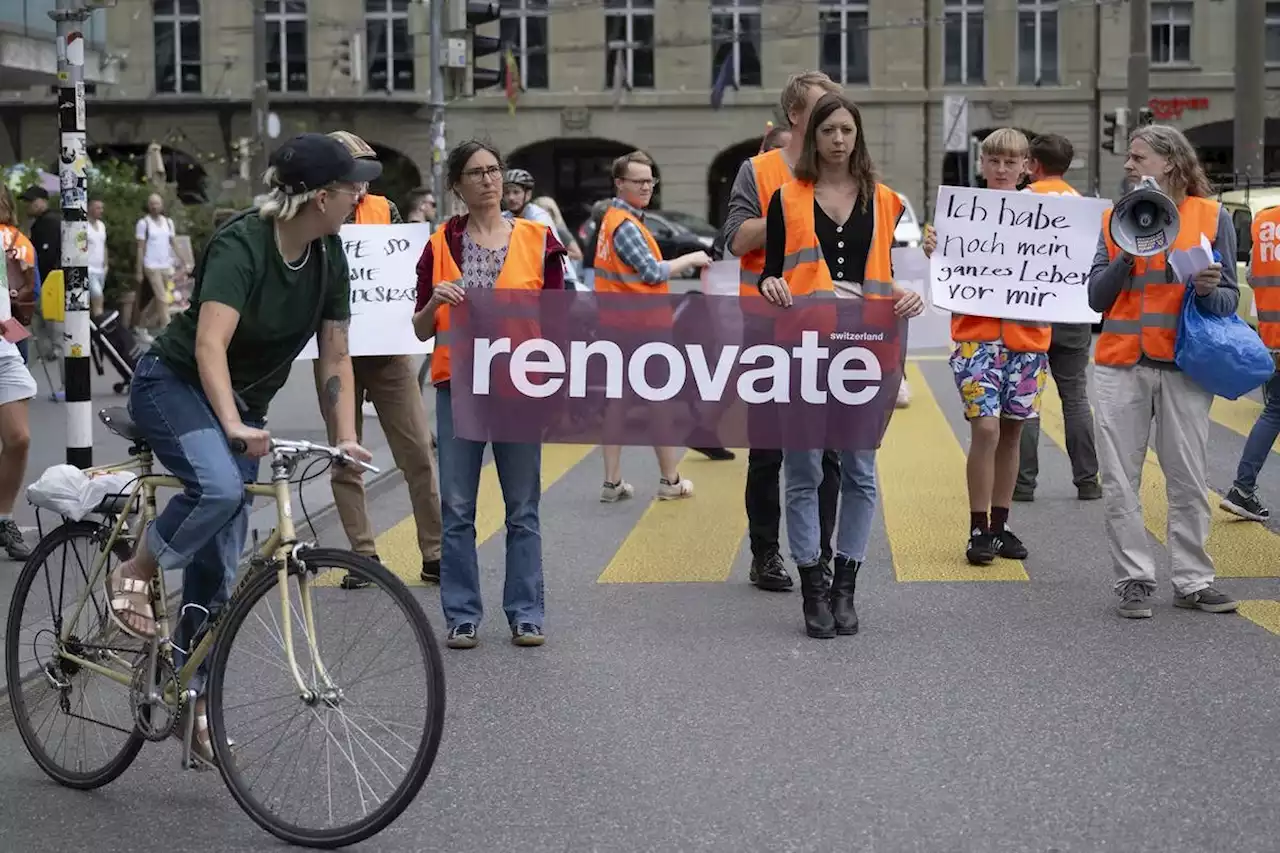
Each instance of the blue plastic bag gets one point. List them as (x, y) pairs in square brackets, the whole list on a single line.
[(1224, 355)]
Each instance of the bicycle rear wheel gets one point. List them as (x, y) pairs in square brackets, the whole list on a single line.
[(336, 733)]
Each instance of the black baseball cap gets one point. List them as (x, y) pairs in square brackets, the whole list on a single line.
[(310, 161), (34, 192)]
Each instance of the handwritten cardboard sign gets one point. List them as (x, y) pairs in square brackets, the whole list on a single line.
[(1017, 256), (384, 281)]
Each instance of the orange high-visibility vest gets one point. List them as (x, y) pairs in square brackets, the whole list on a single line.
[(1054, 186), (373, 210), (1264, 275), (1144, 319), (614, 276), (1020, 336), (803, 265), (771, 172), (521, 270)]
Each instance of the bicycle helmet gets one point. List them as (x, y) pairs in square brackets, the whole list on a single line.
[(519, 177)]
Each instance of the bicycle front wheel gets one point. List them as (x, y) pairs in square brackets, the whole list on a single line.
[(337, 766)]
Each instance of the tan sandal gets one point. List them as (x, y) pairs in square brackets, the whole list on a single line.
[(122, 598)]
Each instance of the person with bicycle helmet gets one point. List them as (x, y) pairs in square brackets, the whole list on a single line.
[(517, 198), (272, 279)]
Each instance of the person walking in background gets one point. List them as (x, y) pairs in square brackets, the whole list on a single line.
[(1138, 381), (743, 234), (17, 386), (157, 256), (484, 249), (421, 206), (98, 262), (45, 231), (839, 221), (390, 383), (628, 260), (1264, 277), (1049, 157), (999, 368)]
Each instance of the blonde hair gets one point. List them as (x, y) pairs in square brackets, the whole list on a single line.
[(796, 92), (1006, 140), (1185, 172), (277, 204), (548, 204)]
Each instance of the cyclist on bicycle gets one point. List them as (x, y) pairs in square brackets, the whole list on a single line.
[(271, 279)]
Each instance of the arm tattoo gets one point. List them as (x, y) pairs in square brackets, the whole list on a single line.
[(332, 391), (338, 333)]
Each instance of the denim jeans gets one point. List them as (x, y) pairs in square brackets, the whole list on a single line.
[(1261, 438), (803, 470), (520, 476), (201, 529)]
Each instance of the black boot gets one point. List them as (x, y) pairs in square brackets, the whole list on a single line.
[(842, 589), (815, 588)]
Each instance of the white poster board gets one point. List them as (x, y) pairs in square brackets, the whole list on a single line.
[(384, 286), (932, 329), (1015, 255)]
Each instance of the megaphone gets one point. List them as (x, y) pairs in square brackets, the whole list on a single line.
[(1144, 222)]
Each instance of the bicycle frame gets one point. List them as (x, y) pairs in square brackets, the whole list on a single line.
[(279, 550)]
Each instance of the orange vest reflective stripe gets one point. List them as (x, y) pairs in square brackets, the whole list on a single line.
[(1144, 318), (521, 270), (373, 210), (1019, 336), (771, 171), (1057, 186), (1264, 275), (613, 275), (803, 265)]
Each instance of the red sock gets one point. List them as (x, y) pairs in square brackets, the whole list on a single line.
[(999, 515)]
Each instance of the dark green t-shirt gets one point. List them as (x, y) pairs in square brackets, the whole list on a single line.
[(244, 271)]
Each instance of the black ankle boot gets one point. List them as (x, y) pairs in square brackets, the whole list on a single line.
[(842, 589), (815, 588)]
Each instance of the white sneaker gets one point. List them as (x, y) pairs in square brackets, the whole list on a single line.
[(904, 395), (681, 488), (620, 491)]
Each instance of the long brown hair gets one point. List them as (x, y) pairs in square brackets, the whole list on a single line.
[(860, 165)]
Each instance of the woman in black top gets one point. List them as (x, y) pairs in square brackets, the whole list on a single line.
[(835, 161)]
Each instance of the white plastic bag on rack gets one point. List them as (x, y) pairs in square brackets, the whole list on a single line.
[(70, 492)]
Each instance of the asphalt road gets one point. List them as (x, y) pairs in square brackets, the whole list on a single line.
[(674, 707)]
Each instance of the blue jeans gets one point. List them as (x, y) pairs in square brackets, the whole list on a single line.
[(803, 469), (520, 475), (1261, 438), (202, 529)]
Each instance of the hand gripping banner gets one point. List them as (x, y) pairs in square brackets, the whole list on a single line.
[(689, 370)]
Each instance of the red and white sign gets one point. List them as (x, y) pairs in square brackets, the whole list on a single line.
[(1167, 108)]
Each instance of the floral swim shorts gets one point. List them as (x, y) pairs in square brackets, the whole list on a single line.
[(996, 382)]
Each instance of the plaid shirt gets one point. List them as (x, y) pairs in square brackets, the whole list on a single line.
[(632, 248)]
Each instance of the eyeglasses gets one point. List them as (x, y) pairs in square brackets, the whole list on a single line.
[(642, 182), (476, 176)]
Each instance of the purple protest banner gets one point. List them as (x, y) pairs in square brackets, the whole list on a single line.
[(690, 370)]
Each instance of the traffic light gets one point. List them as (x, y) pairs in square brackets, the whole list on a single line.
[(479, 13), (1115, 131), (351, 57), (1145, 116)]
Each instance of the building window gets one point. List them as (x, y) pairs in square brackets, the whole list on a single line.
[(963, 42), (735, 38), (176, 27), (524, 30), (1273, 33), (1171, 33), (842, 36), (628, 32), (287, 45), (390, 45), (1038, 42)]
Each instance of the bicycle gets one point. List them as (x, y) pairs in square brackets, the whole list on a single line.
[(161, 698)]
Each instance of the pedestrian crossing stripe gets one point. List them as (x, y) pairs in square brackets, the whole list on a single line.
[(921, 473)]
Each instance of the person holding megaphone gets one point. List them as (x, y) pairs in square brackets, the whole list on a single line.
[(1133, 286)]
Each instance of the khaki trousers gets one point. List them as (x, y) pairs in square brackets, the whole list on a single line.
[(390, 383), (1129, 398)]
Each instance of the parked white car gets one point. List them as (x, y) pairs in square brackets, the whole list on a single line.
[(908, 233)]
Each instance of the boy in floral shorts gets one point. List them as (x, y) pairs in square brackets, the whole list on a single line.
[(999, 368)]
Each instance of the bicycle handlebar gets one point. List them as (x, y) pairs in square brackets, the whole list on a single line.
[(284, 447)]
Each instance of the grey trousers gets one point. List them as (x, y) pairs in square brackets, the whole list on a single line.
[(1069, 364)]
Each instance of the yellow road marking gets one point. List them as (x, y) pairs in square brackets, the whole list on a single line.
[(398, 546), (1236, 415), (1263, 613), (693, 540), (922, 480), (1239, 548)]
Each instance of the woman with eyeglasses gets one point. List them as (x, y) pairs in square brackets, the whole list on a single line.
[(483, 249)]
